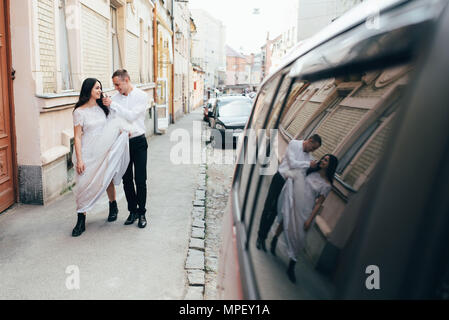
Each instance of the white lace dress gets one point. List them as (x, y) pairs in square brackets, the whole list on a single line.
[(295, 205), (105, 152)]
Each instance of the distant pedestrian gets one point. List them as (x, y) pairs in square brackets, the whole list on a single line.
[(131, 103)]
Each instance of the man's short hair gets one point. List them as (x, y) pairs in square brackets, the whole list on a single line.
[(315, 137), (122, 74)]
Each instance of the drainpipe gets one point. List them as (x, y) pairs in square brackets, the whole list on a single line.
[(155, 68), (173, 64)]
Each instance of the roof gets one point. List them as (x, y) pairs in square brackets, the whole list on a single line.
[(232, 53)]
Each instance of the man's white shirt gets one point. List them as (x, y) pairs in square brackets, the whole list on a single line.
[(132, 108), (294, 158)]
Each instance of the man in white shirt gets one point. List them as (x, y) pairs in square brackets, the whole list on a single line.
[(131, 103), (297, 156)]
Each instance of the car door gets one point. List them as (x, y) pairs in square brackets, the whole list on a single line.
[(350, 90), (407, 207)]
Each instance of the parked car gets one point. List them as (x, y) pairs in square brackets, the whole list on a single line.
[(221, 101), (207, 108), (228, 121), (251, 95), (376, 92)]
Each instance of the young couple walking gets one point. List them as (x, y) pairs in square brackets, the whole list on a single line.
[(110, 145), (295, 196)]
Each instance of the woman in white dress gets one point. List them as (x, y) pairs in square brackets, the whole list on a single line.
[(299, 202), (101, 152)]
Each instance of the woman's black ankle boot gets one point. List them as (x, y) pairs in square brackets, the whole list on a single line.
[(113, 211), (80, 225), (291, 271), (274, 242)]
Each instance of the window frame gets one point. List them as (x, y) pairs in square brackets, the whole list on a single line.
[(65, 65), (115, 42)]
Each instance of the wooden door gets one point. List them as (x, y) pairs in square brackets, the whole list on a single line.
[(7, 196)]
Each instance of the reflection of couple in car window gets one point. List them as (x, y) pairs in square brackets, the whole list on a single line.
[(295, 195)]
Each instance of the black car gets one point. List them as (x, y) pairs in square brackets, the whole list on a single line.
[(228, 120)]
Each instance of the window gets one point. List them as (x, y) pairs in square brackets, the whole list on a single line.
[(64, 49), (304, 107), (354, 116), (324, 115), (336, 128), (260, 110), (142, 53), (116, 55), (150, 46), (267, 156), (359, 160)]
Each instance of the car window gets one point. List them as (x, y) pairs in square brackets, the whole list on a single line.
[(266, 164), (353, 115), (246, 158), (235, 109), (227, 100)]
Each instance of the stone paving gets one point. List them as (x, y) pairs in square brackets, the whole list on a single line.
[(220, 167), (195, 265), (38, 255)]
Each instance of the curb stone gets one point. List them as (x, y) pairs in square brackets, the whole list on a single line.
[(195, 262)]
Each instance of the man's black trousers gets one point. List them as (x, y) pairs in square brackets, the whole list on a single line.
[(270, 208), (137, 196)]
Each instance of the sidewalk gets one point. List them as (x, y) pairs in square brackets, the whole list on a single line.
[(38, 255)]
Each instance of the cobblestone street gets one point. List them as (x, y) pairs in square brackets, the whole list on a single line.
[(220, 169)]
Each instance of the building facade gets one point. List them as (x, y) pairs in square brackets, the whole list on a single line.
[(182, 59), (236, 73), (198, 87), (165, 64), (197, 74), (55, 46), (256, 71), (315, 15), (209, 52)]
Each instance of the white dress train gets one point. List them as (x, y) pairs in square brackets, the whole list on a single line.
[(105, 152), (295, 205)]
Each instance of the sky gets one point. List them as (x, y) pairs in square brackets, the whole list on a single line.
[(247, 32)]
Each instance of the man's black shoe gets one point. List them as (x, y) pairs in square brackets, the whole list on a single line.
[(142, 221), (260, 244), (131, 218), (113, 211)]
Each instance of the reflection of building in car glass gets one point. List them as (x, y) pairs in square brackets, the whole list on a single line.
[(378, 107)]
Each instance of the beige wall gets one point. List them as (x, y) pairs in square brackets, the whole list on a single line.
[(198, 93), (26, 112), (94, 46), (43, 112), (47, 44), (52, 127), (132, 56)]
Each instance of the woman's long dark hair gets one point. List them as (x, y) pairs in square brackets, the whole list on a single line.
[(331, 168), (85, 93)]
